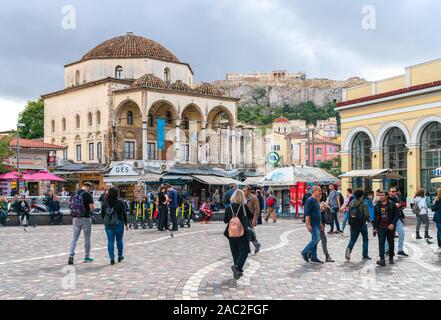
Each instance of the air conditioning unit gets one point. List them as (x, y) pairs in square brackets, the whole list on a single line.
[(164, 167), (136, 164)]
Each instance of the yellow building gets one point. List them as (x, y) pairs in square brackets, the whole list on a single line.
[(394, 124)]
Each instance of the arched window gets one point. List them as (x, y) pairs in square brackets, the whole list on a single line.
[(167, 75), (119, 72), (99, 151), (63, 124), (186, 123), (168, 117), (77, 121), (395, 155), (53, 126), (361, 159), (77, 78), (150, 121), (98, 117), (89, 119), (430, 156), (130, 118)]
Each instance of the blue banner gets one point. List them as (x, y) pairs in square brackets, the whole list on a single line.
[(161, 134)]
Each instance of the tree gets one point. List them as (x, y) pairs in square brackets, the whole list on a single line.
[(332, 166), (5, 152), (33, 119)]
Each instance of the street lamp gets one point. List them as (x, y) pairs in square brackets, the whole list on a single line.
[(19, 125)]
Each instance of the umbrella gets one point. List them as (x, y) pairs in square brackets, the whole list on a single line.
[(11, 176), (41, 176)]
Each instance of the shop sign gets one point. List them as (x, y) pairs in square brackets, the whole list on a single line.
[(123, 170), (273, 158)]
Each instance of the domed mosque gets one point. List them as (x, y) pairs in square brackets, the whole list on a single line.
[(131, 100)]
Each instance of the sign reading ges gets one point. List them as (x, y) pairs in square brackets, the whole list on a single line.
[(273, 158), (123, 170)]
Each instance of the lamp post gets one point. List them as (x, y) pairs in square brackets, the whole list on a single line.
[(19, 125)]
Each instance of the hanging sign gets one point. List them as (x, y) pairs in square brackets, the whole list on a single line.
[(161, 134)]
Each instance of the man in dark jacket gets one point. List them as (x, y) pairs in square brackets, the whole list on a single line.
[(385, 221), (396, 200)]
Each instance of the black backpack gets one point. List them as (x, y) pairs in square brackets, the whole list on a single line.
[(356, 217), (111, 217), (342, 200)]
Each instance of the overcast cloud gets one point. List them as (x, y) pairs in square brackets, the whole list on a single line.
[(323, 38)]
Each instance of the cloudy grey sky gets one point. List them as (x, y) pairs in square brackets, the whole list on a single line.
[(324, 38)]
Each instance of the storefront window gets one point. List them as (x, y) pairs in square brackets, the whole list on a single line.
[(151, 150), (430, 155), (361, 159), (395, 157)]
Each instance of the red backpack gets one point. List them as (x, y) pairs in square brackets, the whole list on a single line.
[(270, 202)]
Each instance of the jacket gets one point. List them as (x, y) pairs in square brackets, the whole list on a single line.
[(362, 207), (436, 207), (422, 204), (392, 214), (254, 206), (395, 200), (242, 214), (120, 209)]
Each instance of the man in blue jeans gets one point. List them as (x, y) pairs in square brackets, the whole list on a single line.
[(173, 205), (393, 197), (334, 202), (314, 224), (358, 225)]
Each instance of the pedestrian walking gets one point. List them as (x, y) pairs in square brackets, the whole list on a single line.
[(216, 200), (369, 201), (393, 197), (345, 208), (115, 220), (358, 217), (323, 238), (313, 219), (385, 220), (173, 206), (271, 204), (421, 210), (253, 204), (227, 195), (261, 206), (436, 207), (55, 209), (334, 203), (82, 207), (3, 210), (162, 205), (237, 217)]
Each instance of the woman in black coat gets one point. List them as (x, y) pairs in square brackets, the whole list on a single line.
[(240, 247)]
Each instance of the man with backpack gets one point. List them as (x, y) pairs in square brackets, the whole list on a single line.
[(81, 208), (271, 204), (358, 216)]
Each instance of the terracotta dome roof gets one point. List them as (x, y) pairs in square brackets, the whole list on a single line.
[(207, 88), (150, 81), (281, 120), (181, 86), (130, 46)]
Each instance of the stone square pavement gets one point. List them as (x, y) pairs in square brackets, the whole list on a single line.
[(195, 264)]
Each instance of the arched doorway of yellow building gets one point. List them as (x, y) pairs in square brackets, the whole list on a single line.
[(361, 155)]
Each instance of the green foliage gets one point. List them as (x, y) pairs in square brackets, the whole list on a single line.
[(5, 152), (33, 119), (258, 114), (332, 166)]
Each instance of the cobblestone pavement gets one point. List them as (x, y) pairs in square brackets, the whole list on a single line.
[(195, 264)]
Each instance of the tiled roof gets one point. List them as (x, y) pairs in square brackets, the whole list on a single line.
[(389, 93), (206, 88), (34, 144), (130, 46), (281, 120), (152, 81)]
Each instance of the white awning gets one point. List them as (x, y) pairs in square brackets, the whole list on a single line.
[(216, 181), (150, 177), (364, 173), (121, 179), (436, 180), (176, 177), (252, 180)]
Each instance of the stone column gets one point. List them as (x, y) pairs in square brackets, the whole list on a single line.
[(193, 143), (234, 148), (413, 170), (144, 141), (346, 164), (178, 141), (377, 163), (203, 151)]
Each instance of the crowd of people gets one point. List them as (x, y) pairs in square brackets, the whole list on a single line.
[(382, 209)]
